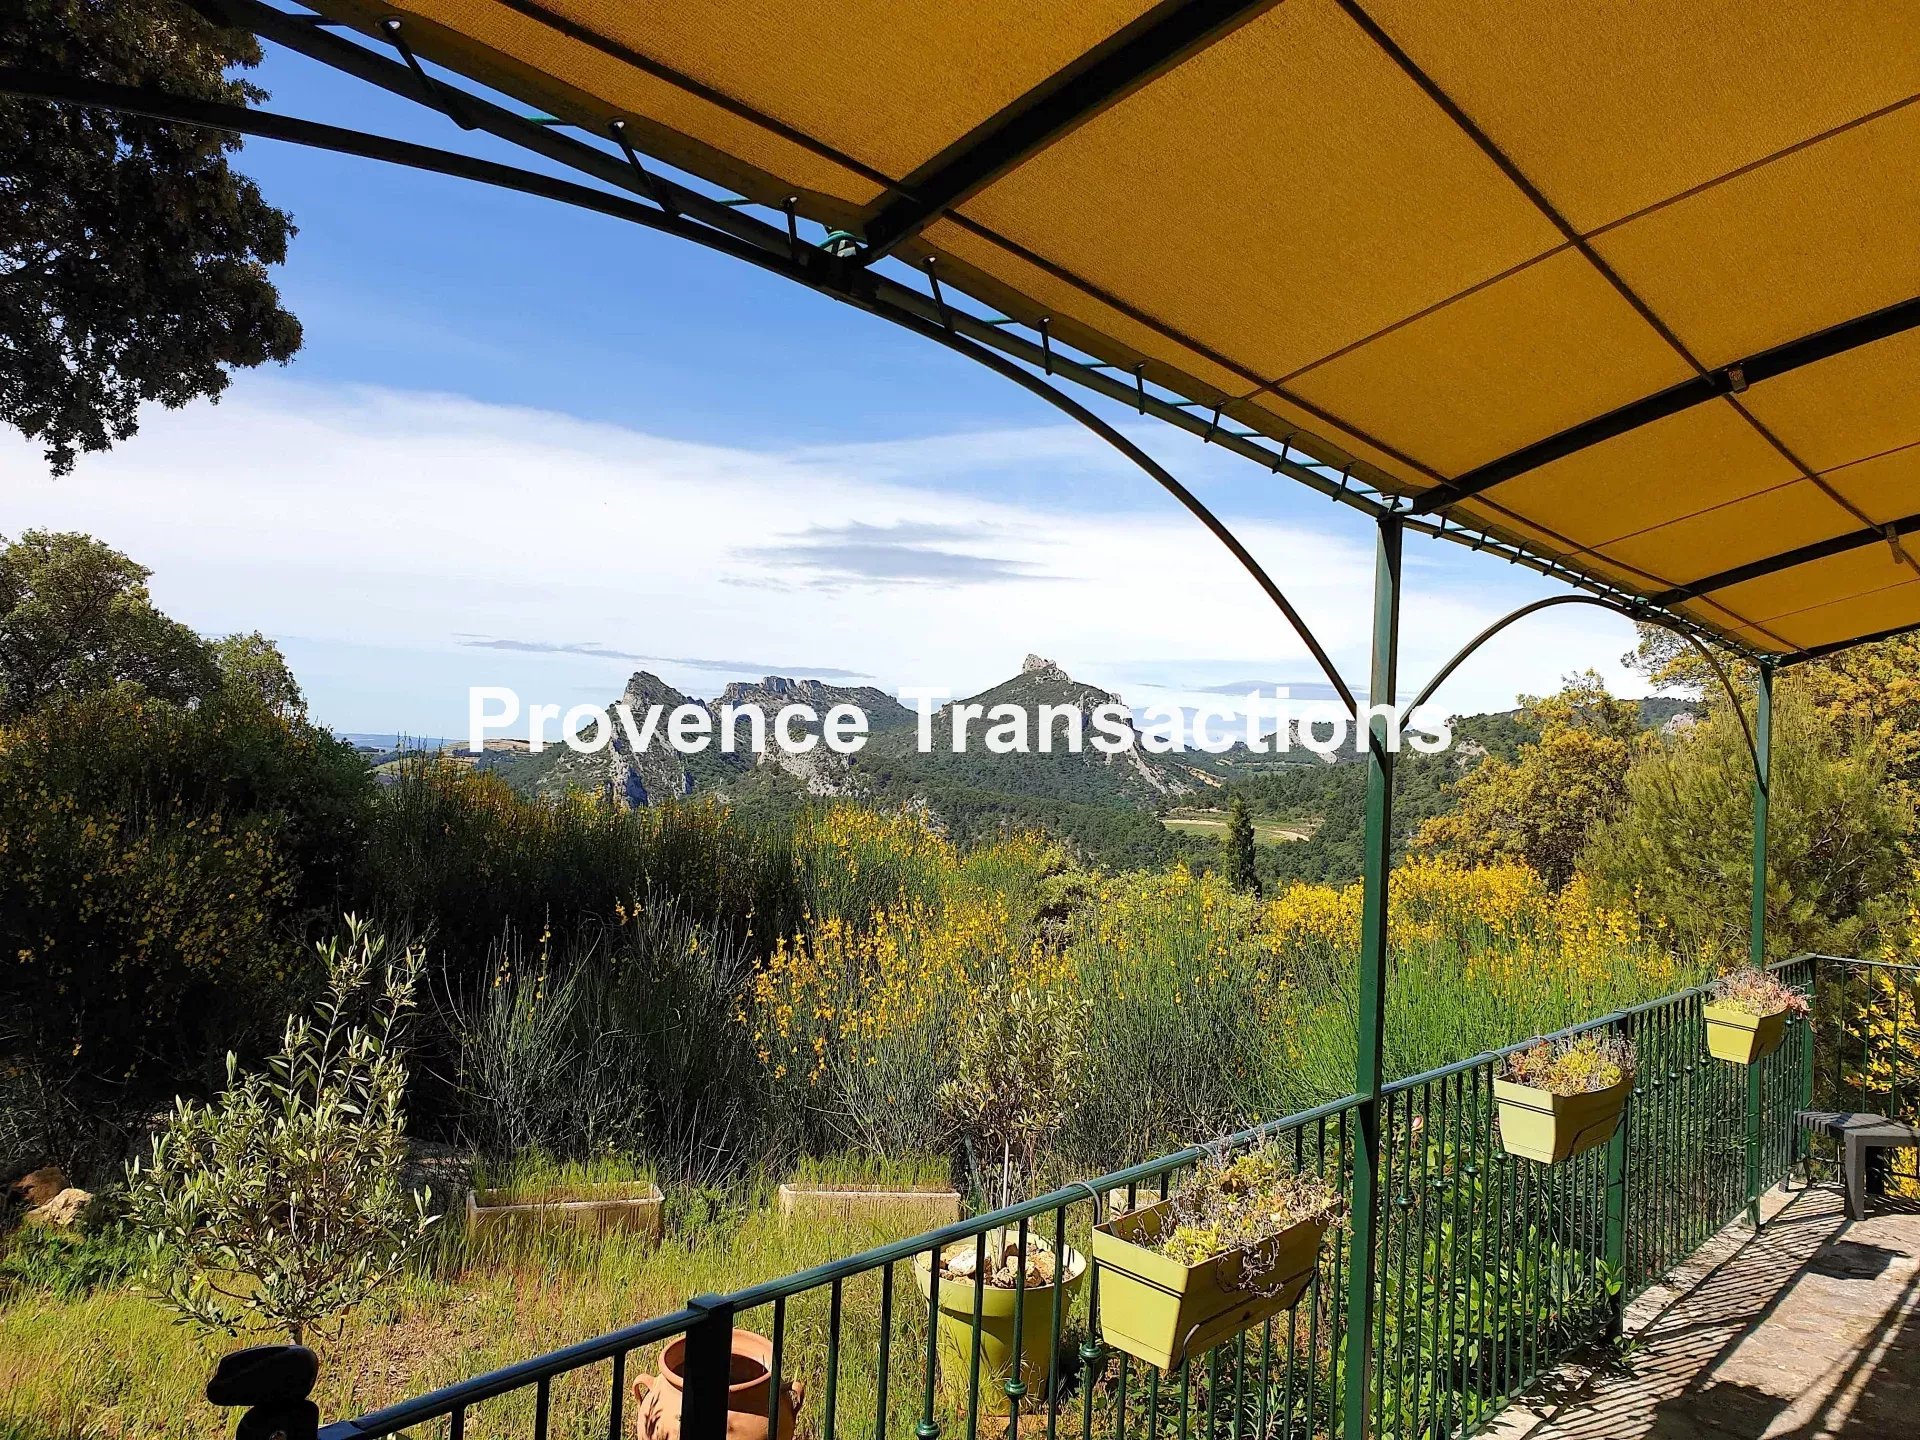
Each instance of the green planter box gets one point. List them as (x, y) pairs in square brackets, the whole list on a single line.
[(1162, 1312), (1740, 1036), (995, 1329), (1539, 1125)]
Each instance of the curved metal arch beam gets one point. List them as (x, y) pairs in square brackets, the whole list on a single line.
[(808, 266), (1164, 478), (1654, 618)]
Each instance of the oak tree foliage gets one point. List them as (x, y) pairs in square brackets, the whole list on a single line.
[(76, 618), (1539, 807), (133, 259)]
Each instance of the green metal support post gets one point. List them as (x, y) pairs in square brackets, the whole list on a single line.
[(1381, 747), (1616, 1215), (1762, 785)]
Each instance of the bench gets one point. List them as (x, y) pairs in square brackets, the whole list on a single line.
[(1857, 1132)]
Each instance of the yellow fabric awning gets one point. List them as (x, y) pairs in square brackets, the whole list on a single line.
[(1634, 286)]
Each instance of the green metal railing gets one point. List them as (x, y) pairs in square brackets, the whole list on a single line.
[(1872, 1008), (1488, 1271)]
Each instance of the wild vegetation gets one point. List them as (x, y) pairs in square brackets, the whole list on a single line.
[(717, 999)]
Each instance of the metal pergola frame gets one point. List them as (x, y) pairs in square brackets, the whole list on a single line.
[(1027, 354)]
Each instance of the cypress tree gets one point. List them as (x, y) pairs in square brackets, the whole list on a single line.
[(1239, 848)]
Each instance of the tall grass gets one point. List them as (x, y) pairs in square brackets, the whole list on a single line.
[(630, 1039), (716, 1002), (114, 1366), (1189, 1005)]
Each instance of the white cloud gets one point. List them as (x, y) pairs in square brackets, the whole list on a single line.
[(375, 531)]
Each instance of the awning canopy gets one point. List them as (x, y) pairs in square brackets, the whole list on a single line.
[(1633, 286)]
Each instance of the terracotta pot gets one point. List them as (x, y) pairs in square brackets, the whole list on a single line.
[(659, 1397)]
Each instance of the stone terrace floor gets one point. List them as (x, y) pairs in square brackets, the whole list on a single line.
[(1809, 1330)]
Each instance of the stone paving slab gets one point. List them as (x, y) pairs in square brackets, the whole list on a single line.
[(1808, 1331)]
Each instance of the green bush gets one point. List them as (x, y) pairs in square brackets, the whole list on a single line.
[(280, 1205), (1681, 847), (159, 867), (460, 855)]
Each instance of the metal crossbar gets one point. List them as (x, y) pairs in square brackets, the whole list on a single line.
[(716, 220)]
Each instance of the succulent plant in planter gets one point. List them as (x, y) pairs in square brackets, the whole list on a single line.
[(1746, 1013), (995, 1280), (1561, 1098), (1234, 1245)]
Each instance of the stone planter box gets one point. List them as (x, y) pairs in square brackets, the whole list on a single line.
[(616, 1206), (927, 1209)]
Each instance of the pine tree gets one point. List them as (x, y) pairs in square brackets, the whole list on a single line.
[(1239, 847)]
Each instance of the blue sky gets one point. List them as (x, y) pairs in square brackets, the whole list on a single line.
[(524, 445)]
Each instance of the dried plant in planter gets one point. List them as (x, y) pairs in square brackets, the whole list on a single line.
[(1239, 1202), (1234, 1245), (1573, 1065), (1757, 992), (1561, 1098), (1746, 1012)]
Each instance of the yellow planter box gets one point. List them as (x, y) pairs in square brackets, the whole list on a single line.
[(1539, 1125), (956, 1320), (1163, 1312), (921, 1209), (1741, 1036)]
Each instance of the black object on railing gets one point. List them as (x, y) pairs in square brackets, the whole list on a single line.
[(709, 1369), (273, 1383)]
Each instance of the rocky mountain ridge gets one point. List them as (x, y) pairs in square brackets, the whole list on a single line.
[(889, 764)]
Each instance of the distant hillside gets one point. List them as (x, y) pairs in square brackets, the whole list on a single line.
[(1104, 804), (1112, 809), (1334, 795), (658, 771), (1130, 777)]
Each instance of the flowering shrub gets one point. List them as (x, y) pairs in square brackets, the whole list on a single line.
[(857, 1013), (1756, 992), (1574, 1065), (854, 862)]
